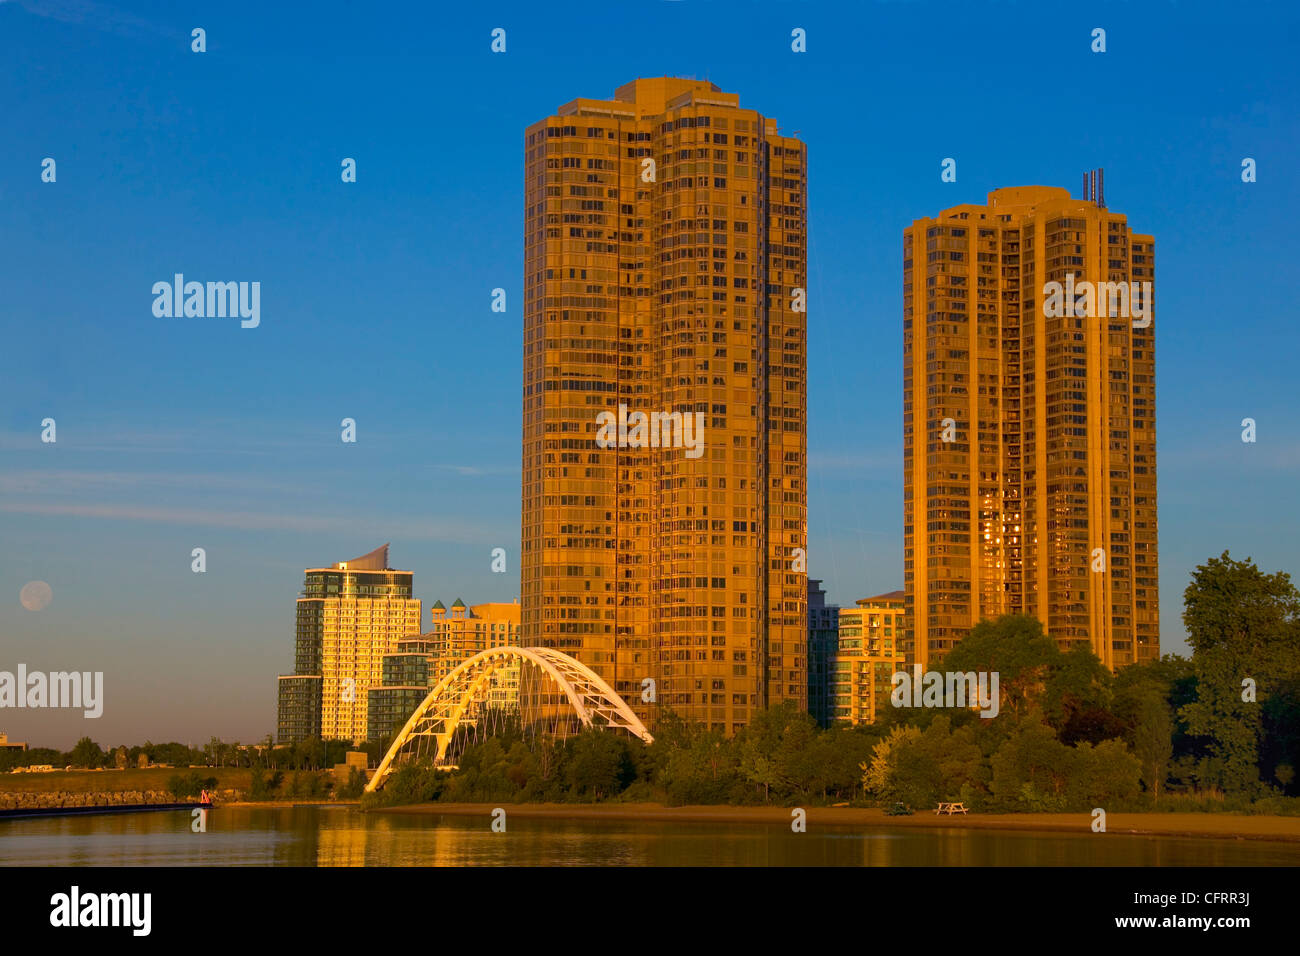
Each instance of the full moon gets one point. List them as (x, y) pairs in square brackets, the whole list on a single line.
[(36, 595)]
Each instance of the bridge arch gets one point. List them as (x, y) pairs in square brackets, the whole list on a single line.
[(430, 729)]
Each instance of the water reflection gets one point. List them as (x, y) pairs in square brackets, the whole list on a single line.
[(340, 836)]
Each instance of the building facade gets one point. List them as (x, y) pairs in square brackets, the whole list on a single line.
[(665, 276), (405, 680), (417, 664), (297, 708), (868, 654), (823, 639), (349, 616), (459, 634), (1029, 423)]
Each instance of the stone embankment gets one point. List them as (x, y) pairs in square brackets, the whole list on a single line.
[(41, 800)]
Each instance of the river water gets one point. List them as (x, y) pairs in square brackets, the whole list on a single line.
[(342, 836)]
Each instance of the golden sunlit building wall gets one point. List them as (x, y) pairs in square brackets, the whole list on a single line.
[(868, 655), (418, 663), (349, 616), (665, 271), (459, 634), (1029, 432)]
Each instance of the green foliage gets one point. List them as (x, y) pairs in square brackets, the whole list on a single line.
[(1077, 698), (924, 767), (1069, 735), (31, 757), (173, 754), (700, 766), (1032, 770), (309, 784), (185, 785), (355, 786), (1016, 648), (409, 783), (598, 765), (86, 753), (264, 785), (1166, 734), (1241, 624), (879, 775)]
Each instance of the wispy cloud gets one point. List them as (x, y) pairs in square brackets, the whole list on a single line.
[(80, 482), (452, 530), (224, 438), (479, 470), (97, 16)]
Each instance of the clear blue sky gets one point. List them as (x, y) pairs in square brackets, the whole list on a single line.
[(183, 433)]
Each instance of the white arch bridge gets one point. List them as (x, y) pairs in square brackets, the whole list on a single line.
[(555, 694)]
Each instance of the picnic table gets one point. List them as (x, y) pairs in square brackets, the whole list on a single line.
[(951, 808)]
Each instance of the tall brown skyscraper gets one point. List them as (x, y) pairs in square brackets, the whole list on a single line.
[(665, 271), (1029, 423)]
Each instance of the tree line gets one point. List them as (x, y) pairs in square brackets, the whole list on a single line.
[(1218, 730), (86, 754)]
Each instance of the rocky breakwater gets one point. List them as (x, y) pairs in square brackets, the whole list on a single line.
[(55, 799)]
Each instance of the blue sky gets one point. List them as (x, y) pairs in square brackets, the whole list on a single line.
[(183, 433)]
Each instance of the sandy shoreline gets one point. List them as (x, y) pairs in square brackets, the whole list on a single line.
[(1207, 825)]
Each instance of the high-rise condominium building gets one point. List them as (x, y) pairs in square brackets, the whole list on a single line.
[(349, 616), (866, 657), (823, 639), (462, 632), (417, 664), (665, 258), (1029, 423)]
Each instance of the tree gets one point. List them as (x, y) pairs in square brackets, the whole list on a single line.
[(257, 789), (1077, 698), (1033, 770), (1104, 776), (1280, 747), (1152, 738), (190, 784), (1015, 647), (598, 765), (878, 775), (355, 786), (774, 751), (214, 754), (834, 757), (1242, 625), (758, 768), (922, 767), (700, 766), (86, 753)]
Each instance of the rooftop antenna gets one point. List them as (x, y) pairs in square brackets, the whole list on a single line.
[(1094, 186)]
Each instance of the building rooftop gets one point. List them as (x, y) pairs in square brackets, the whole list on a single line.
[(889, 597), (376, 560), (654, 96)]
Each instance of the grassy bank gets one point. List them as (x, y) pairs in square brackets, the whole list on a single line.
[(1222, 826)]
